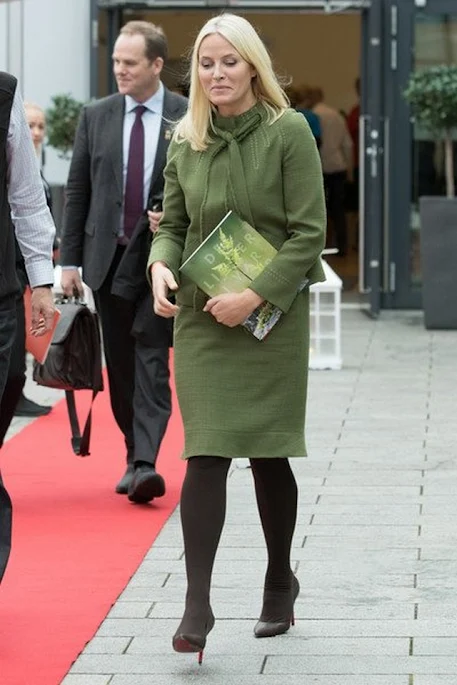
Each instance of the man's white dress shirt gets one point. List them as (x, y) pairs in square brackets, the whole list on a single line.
[(30, 213)]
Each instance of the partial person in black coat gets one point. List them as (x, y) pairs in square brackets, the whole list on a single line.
[(23, 212), (107, 231)]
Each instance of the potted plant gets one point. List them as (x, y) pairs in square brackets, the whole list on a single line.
[(432, 95), (61, 122)]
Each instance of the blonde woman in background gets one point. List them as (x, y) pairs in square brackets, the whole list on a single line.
[(37, 123)]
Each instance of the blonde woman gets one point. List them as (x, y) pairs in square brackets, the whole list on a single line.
[(239, 147)]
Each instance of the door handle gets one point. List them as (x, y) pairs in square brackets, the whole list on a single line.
[(363, 124), (372, 152)]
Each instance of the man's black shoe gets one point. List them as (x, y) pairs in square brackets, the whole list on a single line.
[(29, 408), (122, 487), (146, 484)]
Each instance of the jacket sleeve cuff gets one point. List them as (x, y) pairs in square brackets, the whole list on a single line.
[(275, 289), (166, 256)]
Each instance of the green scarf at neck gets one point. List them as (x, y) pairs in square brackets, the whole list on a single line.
[(230, 132)]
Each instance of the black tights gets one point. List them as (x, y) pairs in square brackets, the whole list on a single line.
[(203, 506)]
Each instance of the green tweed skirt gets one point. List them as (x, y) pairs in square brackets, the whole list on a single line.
[(238, 396)]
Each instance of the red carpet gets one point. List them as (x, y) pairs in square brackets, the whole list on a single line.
[(75, 542)]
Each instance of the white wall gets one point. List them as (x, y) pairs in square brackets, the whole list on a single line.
[(46, 44)]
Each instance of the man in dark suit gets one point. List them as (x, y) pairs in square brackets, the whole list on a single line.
[(116, 176)]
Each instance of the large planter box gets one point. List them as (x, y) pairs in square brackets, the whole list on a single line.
[(438, 217)]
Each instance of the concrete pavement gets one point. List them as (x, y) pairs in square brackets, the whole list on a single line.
[(375, 547)]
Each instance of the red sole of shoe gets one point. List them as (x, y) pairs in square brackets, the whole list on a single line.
[(180, 644)]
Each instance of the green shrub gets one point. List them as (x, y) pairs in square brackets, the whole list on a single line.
[(61, 122), (432, 95)]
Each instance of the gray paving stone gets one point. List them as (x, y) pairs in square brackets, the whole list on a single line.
[(353, 491), (81, 679), (434, 679), (433, 552), (357, 554), (375, 478), (163, 664), (427, 610), (131, 609), (350, 463), (307, 646), (440, 510), (308, 576), (150, 578), (438, 646), (304, 628), (107, 645), (427, 581), (366, 440), (156, 553), (208, 677), (340, 544), (397, 533), (360, 664), (350, 611), (368, 517)]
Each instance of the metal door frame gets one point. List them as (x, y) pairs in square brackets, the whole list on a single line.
[(371, 160), (326, 6), (371, 231), (400, 61)]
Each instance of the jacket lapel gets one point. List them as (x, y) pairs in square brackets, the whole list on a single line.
[(116, 130), (169, 116)]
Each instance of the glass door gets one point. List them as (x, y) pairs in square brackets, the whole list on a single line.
[(423, 33)]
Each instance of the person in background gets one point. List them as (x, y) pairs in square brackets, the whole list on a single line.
[(115, 178), (300, 100), (182, 88), (36, 119), (24, 213), (239, 147), (337, 163)]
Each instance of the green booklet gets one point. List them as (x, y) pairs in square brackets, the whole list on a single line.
[(232, 256)]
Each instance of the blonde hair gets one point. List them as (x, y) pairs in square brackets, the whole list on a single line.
[(194, 127), (33, 105)]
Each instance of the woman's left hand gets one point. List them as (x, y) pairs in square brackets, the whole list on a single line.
[(231, 309)]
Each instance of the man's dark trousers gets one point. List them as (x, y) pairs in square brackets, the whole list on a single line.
[(335, 189), (7, 333), (16, 373), (138, 374)]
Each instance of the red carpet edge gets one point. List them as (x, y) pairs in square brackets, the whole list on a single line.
[(76, 543)]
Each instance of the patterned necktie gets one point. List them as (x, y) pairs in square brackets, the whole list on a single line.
[(133, 197)]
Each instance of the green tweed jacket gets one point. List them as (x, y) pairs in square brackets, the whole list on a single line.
[(269, 174)]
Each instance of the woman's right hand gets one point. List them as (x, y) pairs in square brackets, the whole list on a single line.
[(162, 282)]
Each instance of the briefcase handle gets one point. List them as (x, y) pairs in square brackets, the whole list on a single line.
[(80, 443)]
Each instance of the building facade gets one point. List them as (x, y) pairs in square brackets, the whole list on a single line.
[(57, 46)]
